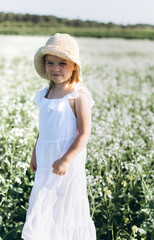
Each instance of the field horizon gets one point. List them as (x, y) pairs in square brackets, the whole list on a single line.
[(31, 24)]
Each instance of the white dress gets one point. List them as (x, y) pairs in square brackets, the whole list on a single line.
[(58, 205)]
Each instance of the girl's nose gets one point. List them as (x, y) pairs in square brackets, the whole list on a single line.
[(56, 67)]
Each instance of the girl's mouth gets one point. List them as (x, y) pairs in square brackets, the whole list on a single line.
[(56, 75)]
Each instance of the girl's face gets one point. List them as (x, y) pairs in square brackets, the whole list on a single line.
[(58, 69)]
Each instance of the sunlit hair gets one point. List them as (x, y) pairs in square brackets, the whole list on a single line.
[(74, 79)]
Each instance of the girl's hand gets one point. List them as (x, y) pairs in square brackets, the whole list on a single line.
[(60, 167), (33, 164)]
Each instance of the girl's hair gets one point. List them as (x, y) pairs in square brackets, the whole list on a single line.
[(72, 81)]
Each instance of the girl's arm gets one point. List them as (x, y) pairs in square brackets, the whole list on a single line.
[(83, 112), (36, 142)]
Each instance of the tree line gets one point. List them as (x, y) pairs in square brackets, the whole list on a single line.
[(56, 21)]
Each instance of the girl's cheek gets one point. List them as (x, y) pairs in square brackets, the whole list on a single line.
[(48, 68)]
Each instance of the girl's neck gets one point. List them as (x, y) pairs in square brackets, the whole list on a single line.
[(62, 86), (59, 90)]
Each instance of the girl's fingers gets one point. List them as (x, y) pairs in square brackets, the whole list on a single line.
[(32, 167), (55, 171), (59, 173), (62, 173)]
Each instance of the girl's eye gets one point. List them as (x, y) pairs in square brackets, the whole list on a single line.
[(50, 63), (63, 63)]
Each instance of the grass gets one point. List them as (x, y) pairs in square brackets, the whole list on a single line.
[(101, 32)]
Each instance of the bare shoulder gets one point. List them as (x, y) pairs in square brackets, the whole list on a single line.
[(82, 95), (82, 102)]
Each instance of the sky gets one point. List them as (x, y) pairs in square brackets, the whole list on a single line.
[(116, 11)]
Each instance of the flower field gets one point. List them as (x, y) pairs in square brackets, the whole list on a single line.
[(120, 76)]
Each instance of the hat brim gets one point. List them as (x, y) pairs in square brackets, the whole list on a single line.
[(39, 62)]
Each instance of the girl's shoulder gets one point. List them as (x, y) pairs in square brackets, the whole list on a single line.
[(82, 92)]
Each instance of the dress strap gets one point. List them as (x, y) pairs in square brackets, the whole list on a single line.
[(75, 93)]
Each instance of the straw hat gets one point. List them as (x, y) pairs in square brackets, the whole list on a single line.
[(60, 45)]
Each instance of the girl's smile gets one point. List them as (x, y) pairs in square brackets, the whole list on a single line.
[(59, 70), (56, 75)]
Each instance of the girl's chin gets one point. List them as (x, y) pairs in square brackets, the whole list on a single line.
[(59, 81)]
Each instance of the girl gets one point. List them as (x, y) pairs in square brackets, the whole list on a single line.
[(58, 204)]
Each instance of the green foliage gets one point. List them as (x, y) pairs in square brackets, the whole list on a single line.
[(16, 178), (27, 24), (119, 171)]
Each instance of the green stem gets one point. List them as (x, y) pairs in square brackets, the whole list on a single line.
[(112, 232)]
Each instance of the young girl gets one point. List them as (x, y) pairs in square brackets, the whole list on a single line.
[(58, 204)]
